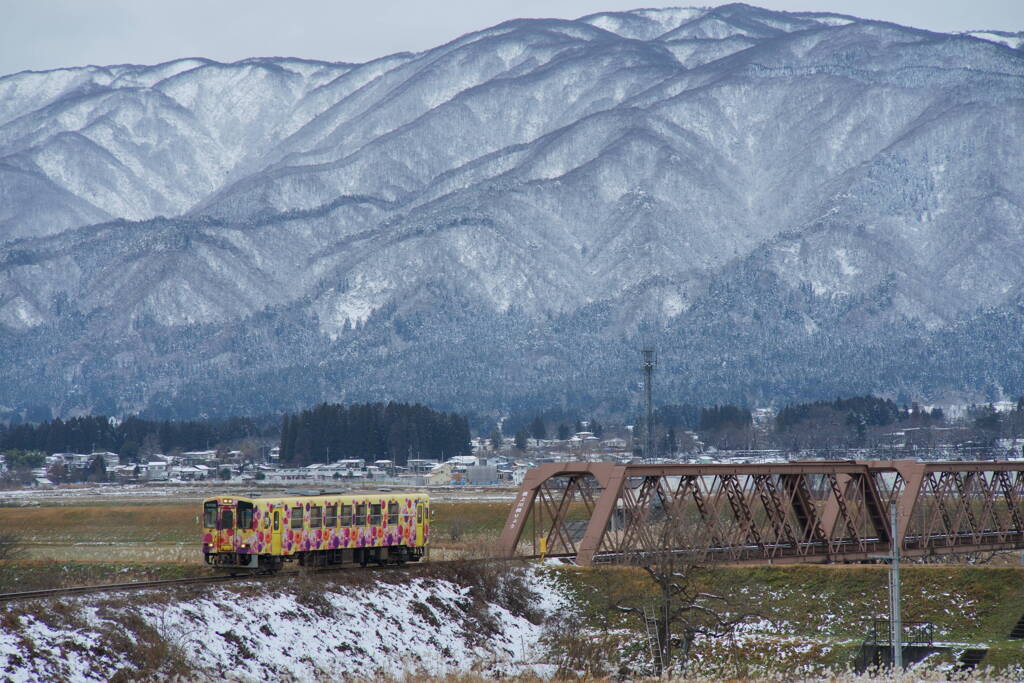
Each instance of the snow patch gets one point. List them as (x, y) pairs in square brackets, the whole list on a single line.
[(271, 631), (1014, 40)]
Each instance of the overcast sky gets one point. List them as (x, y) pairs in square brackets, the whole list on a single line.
[(44, 34)]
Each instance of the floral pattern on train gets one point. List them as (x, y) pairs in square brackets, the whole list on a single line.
[(394, 524)]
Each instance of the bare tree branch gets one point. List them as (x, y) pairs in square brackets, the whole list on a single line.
[(11, 546)]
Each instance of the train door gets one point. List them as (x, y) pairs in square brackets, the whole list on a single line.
[(419, 523), (227, 527), (275, 533)]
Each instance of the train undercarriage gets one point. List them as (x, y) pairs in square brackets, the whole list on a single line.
[(258, 564)]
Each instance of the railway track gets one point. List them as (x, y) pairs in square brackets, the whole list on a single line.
[(110, 587), (167, 583), (163, 583)]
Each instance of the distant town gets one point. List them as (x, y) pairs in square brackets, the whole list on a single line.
[(844, 429)]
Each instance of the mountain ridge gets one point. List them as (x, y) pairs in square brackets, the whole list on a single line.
[(538, 168)]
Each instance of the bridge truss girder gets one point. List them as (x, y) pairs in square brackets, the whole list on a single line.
[(822, 511)]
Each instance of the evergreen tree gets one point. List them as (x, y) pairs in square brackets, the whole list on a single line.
[(392, 431), (668, 444), (537, 428), (97, 469)]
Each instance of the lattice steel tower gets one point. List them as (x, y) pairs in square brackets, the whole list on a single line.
[(649, 362)]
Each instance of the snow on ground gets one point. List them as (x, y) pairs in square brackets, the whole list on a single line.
[(179, 490), (276, 631)]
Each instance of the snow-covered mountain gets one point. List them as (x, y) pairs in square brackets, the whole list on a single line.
[(496, 221)]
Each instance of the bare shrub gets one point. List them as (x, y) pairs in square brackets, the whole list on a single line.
[(310, 590), (496, 581), (456, 528), (580, 653), (12, 546), (149, 653)]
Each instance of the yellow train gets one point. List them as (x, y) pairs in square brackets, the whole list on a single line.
[(253, 532)]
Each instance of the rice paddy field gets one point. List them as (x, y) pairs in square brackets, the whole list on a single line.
[(98, 539)]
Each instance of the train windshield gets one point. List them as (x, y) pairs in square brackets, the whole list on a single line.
[(244, 515), (210, 514)]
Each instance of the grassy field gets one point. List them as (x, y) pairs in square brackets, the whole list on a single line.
[(820, 614), (87, 543), (964, 602), (123, 524)]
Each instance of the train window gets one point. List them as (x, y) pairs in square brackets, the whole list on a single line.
[(374, 514), (297, 517), (266, 520), (227, 518), (419, 513), (316, 517), (332, 516), (360, 514), (392, 513), (210, 515), (277, 520), (346, 515), (244, 515)]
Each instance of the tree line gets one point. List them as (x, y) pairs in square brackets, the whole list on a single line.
[(133, 437), (372, 431), (867, 421)]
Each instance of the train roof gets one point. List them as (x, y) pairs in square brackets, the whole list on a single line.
[(321, 496)]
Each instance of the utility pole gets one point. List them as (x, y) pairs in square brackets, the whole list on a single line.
[(895, 621), (893, 558), (649, 362)]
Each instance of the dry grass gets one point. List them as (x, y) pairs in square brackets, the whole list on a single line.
[(163, 533), (470, 518), (104, 523), (178, 522), (37, 575)]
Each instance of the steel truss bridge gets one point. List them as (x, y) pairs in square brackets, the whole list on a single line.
[(811, 511)]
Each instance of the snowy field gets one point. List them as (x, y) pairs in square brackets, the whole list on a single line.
[(260, 632)]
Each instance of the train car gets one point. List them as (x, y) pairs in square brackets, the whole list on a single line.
[(257, 533)]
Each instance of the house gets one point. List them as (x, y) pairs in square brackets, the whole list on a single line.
[(79, 461), (519, 471), (352, 463), (155, 470), (188, 473), (481, 474), (197, 457), (109, 459), (124, 473), (421, 465), (290, 474), (441, 475)]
